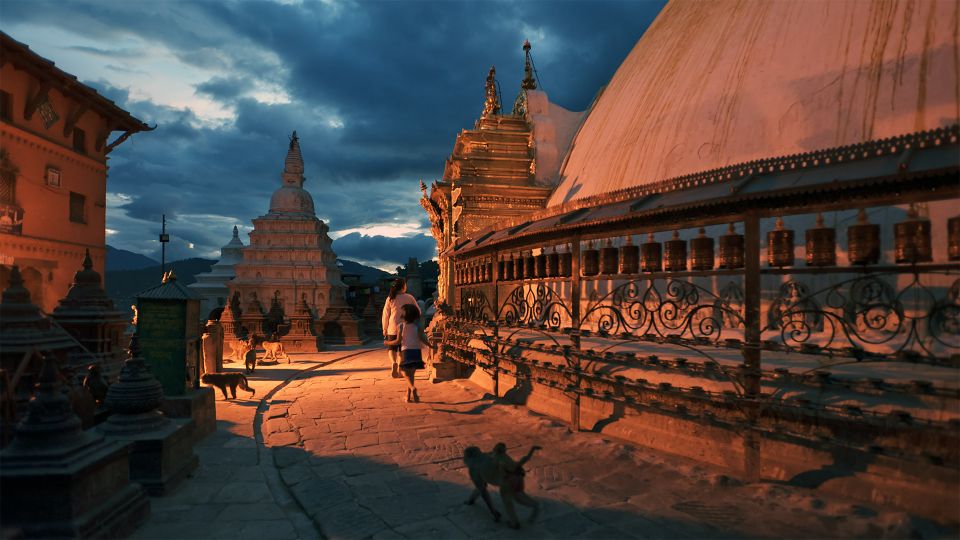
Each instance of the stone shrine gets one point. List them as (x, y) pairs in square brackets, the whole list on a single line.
[(289, 259), (212, 285), (88, 314), (68, 482)]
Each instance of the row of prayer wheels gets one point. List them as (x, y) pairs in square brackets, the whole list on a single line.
[(911, 239)]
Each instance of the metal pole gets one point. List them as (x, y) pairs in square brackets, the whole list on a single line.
[(751, 301), (164, 238)]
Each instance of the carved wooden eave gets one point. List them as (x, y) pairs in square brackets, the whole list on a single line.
[(86, 98), (921, 164)]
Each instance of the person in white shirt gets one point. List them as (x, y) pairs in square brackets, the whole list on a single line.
[(409, 337), (392, 319)]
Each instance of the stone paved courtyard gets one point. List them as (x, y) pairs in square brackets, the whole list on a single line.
[(341, 455)]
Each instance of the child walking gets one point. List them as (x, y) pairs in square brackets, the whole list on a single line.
[(409, 338)]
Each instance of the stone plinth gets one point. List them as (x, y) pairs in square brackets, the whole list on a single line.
[(161, 450), (197, 405), (59, 481)]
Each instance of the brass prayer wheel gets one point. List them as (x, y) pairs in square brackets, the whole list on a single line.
[(675, 254), (609, 259), (651, 258), (821, 245), (953, 238), (529, 266), (501, 271), (566, 263), (518, 267), (863, 241), (541, 264), (629, 257), (553, 263), (701, 252), (912, 238), (591, 260), (488, 274), (731, 249), (780, 246), (508, 268)]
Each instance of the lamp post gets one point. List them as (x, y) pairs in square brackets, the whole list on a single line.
[(164, 238)]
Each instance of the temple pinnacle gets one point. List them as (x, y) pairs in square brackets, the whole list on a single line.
[(529, 83)]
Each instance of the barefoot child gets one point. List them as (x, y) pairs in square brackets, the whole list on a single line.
[(409, 338)]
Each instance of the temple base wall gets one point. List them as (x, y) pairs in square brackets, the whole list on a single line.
[(198, 405), (768, 450)]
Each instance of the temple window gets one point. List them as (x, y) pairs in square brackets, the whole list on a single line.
[(6, 106), (78, 204), (79, 140), (53, 177)]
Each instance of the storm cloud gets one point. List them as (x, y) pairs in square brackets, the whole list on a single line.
[(377, 92)]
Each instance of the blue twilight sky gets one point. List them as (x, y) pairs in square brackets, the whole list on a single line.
[(377, 92)]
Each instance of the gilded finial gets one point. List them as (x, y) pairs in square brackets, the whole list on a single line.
[(491, 104), (529, 83)]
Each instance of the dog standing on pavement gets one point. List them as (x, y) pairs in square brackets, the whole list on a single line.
[(498, 469)]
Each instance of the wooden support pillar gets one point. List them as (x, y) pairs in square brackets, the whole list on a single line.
[(576, 285), (751, 305)]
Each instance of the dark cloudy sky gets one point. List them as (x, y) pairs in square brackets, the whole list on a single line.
[(376, 90)]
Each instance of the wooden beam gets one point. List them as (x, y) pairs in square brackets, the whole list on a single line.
[(34, 101), (72, 119)]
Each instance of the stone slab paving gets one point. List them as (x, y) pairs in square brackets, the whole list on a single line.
[(237, 491), (362, 463)]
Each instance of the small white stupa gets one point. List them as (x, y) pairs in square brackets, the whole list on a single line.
[(212, 285)]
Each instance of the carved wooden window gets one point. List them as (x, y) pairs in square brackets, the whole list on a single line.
[(8, 187), (47, 114), (6, 106), (53, 177), (79, 140), (78, 210)]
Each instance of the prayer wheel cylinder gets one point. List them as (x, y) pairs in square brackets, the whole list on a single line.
[(508, 269), (540, 270), (651, 258), (701, 252), (953, 238), (488, 274), (629, 257), (780, 246), (821, 245), (501, 271), (591, 261), (912, 239), (609, 259), (863, 241), (529, 266), (566, 264), (731, 249), (553, 263), (675, 254)]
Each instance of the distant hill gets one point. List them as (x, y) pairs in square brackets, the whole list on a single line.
[(123, 285), (121, 259), (368, 274)]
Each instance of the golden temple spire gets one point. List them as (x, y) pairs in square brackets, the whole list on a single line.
[(491, 104), (293, 164), (529, 83)]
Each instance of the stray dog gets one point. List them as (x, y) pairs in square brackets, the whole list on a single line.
[(498, 469), (223, 380)]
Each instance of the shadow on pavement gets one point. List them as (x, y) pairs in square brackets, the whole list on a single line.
[(421, 494)]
